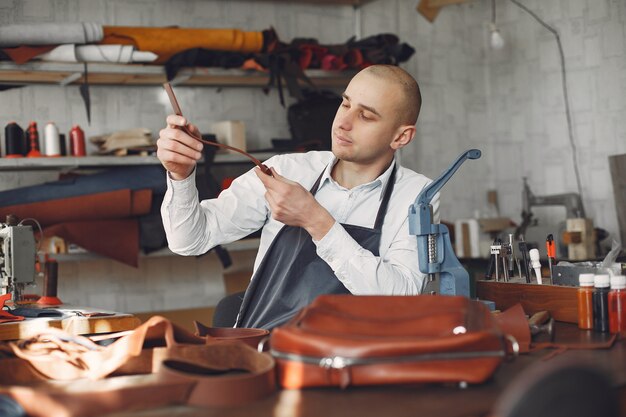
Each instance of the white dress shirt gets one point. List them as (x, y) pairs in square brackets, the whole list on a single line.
[(194, 227)]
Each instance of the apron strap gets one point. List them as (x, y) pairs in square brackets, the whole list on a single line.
[(382, 210)]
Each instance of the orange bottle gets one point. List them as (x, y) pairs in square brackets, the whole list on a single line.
[(585, 301), (617, 304)]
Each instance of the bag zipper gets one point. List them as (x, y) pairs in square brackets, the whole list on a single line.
[(340, 362)]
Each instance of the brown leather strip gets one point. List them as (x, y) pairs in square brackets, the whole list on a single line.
[(251, 337), (178, 111), (232, 387)]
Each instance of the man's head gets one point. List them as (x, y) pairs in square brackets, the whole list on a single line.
[(377, 116)]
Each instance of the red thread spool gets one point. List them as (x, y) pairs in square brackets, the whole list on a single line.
[(77, 141), (33, 141)]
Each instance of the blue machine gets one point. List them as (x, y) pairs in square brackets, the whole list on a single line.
[(446, 276)]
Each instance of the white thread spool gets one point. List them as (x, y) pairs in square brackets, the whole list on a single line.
[(52, 142)]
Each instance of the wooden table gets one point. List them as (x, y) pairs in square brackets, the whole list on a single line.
[(78, 322)]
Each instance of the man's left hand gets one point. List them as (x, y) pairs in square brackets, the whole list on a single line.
[(293, 205)]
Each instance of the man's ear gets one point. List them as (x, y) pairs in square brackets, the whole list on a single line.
[(404, 137)]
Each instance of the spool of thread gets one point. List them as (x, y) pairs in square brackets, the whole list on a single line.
[(51, 140), (50, 284), (77, 141), (63, 143), (14, 141), (33, 141)]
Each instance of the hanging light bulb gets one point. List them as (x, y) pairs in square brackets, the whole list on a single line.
[(496, 41), (495, 38)]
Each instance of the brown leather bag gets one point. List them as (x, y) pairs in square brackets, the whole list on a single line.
[(341, 340)]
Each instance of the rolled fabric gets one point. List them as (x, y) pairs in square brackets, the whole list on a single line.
[(134, 178), (122, 54), (168, 41), (50, 33)]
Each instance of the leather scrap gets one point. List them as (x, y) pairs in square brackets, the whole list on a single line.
[(167, 366), (115, 238), (167, 41), (513, 322), (105, 205)]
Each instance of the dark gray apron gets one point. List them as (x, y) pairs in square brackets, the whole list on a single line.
[(291, 274)]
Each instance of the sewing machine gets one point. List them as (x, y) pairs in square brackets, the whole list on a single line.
[(578, 232), (446, 275), (17, 259)]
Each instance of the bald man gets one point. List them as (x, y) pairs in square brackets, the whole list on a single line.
[(332, 222)]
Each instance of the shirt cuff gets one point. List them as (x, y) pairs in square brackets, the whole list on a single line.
[(185, 190), (336, 247)]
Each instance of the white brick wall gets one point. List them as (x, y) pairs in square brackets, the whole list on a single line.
[(507, 103)]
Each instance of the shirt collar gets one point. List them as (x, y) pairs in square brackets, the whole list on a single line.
[(382, 178)]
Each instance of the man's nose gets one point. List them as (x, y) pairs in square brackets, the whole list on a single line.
[(346, 119)]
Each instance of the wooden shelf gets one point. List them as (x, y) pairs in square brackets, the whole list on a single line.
[(146, 75), (325, 2), (96, 162)]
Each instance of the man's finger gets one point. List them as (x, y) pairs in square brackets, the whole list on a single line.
[(265, 179), (174, 121), (280, 178)]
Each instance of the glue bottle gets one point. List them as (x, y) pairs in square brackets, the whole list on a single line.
[(601, 303), (617, 304), (585, 301)]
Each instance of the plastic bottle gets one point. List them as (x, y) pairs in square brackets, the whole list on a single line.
[(617, 304), (601, 303), (585, 301)]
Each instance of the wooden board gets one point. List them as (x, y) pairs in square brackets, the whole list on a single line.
[(560, 301), (74, 325)]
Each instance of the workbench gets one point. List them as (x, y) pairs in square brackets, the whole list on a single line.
[(422, 401), (78, 322), (432, 400)]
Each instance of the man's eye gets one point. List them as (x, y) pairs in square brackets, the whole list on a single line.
[(365, 117), (346, 105)]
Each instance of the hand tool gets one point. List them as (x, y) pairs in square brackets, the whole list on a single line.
[(551, 252), (178, 111), (536, 264), (495, 251), (523, 248), (492, 262), (506, 251), (512, 258)]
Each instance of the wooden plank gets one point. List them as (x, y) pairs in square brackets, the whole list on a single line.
[(617, 164), (75, 325), (147, 76), (561, 302), (442, 3)]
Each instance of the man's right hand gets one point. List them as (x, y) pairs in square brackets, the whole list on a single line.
[(177, 151)]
